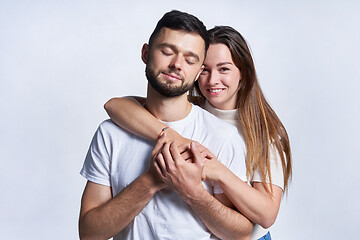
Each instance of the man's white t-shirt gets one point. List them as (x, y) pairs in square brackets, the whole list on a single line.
[(116, 158)]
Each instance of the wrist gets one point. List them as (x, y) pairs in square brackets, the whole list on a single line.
[(196, 195), (162, 131), (174, 136), (151, 183), (220, 173), (222, 176), (171, 134), (215, 170)]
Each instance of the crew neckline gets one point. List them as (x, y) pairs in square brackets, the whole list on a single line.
[(184, 121), (223, 114)]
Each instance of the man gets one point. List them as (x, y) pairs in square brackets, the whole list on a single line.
[(124, 196)]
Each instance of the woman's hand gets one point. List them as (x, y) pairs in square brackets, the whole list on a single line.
[(212, 165), (173, 136), (184, 148), (213, 169)]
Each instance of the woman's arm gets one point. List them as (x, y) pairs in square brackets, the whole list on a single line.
[(128, 113), (184, 177), (254, 202)]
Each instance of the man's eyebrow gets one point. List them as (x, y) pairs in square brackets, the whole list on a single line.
[(174, 48)]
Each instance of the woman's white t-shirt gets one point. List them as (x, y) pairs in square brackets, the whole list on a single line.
[(277, 176)]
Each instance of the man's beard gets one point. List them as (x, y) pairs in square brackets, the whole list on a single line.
[(163, 88)]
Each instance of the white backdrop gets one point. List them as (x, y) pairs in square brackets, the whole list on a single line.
[(61, 60)]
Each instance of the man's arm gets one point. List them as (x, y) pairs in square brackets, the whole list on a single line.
[(184, 177), (102, 216), (222, 220)]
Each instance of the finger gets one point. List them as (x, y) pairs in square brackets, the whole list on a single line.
[(203, 175), (175, 153), (198, 159), (187, 155), (158, 170), (201, 148), (168, 159), (204, 154), (209, 154), (159, 144), (161, 163), (184, 147), (205, 151)]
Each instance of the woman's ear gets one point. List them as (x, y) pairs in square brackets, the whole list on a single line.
[(198, 74), (144, 53)]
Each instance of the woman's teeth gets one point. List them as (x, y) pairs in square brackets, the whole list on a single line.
[(215, 90)]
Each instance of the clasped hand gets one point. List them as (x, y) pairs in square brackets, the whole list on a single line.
[(180, 167)]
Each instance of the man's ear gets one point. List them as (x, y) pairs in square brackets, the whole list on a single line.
[(145, 53), (200, 71)]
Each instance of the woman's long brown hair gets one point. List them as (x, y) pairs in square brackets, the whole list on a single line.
[(262, 129)]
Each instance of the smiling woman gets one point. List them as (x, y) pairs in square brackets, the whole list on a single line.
[(219, 81)]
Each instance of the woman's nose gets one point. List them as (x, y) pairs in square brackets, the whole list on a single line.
[(213, 79)]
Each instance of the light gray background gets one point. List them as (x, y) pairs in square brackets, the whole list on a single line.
[(61, 60)]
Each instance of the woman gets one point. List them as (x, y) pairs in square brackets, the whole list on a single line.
[(228, 88)]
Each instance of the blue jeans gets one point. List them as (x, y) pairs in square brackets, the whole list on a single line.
[(266, 237)]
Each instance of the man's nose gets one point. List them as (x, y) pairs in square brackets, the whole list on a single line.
[(177, 62)]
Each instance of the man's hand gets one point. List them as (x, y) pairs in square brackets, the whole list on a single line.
[(184, 177), (151, 171), (187, 154)]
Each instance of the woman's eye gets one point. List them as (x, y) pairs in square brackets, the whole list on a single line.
[(224, 69), (204, 71)]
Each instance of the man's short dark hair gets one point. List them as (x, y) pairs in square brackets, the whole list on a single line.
[(177, 20)]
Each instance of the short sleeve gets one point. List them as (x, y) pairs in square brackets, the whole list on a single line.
[(232, 155), (96, 167), (277, 176)]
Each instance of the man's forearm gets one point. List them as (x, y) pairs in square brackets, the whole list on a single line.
[(221, 220), (113, 216), (184, 177)]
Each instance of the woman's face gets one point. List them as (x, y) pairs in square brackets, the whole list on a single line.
[(220, 78)]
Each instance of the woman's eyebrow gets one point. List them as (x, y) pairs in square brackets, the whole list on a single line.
[(223, 63)]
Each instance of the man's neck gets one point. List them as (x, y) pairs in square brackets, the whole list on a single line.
[(167, 109)]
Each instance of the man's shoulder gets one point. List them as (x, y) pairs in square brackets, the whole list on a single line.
[(109, 128), (107, 125)]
